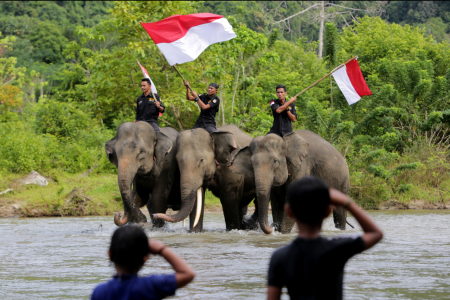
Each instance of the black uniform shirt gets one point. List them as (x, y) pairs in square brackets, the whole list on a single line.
[(313, 268), (146, 109), (282, 125), (207, 116)]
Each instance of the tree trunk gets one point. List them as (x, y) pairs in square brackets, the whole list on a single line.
[(236, 84), (222, 104), (321, 20)]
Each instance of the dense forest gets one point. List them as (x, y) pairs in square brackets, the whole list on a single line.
[(68, 78)]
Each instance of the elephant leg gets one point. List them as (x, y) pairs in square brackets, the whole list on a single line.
[(340, 217), (282, 222), (230, 197), (157, 203), (251, 222), (199, 226)]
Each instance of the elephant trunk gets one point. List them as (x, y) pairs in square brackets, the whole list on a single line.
[(189, 194), (263, 195), (126, 173)]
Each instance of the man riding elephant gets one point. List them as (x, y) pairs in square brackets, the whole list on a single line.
[(284, 112), (149, 105), (209, 104)]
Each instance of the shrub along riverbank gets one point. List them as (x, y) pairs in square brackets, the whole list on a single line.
[(97, 193)]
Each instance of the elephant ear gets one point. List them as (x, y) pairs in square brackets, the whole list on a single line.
[(224, 145), (110, 149), (297, 149), (240, 162), (162, 147)]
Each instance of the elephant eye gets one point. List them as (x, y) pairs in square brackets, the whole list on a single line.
[(202, 159), (275, 160)]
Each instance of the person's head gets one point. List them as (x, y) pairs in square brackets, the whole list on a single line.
[(281, 92), (129, 248), (212, 89), (146, 85), (309, 200)]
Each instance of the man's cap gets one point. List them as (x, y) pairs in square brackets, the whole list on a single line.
[(214, 85)]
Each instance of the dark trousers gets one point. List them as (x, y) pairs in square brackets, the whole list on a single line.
[(154, 125), (208, 127)]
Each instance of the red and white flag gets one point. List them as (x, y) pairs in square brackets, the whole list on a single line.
[(182, 38), (153, 87), (145, 74), (351, 82)]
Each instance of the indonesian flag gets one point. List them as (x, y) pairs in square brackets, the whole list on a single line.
[(182, 38), (351, 82), (145, 74)]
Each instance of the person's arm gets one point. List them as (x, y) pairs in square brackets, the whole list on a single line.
[(285, 105), (291, 116), (159, 104), (273, 293), (189, 96), (372, 233), (183, 272)]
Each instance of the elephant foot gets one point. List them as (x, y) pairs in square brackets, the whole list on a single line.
[(158, 223), (249, 223)]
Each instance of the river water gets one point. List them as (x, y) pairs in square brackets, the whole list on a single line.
[(65, 258)]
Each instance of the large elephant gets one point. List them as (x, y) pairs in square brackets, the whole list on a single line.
[(277, 162), (145, 160), (201, 159)]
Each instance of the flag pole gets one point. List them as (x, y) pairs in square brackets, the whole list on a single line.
[(334, 70), (174, 66)]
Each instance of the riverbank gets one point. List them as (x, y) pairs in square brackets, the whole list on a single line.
[(90, 194)]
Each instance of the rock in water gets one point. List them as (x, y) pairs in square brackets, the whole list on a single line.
[(34, 178)]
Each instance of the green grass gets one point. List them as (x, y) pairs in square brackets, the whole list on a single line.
[(51, 200)]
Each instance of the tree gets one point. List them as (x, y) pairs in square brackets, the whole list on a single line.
[(322, 11)]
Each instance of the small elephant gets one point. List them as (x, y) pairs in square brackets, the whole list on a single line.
[(145, 160), (277, 162), (201, 157)]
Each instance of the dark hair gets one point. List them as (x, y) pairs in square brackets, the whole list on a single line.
[(309, 199), (129, 246), (147, 80), (280, 86), (214, 85)]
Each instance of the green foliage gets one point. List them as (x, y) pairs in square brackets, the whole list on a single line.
[(330, 41)]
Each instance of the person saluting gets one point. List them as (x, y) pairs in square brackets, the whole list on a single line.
[(149, 105), (209, 104), (284, 112)]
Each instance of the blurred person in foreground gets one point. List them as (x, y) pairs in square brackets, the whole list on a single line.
[(312, 266), (130, 249)]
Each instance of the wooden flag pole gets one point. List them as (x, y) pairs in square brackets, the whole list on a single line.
[(181, 76), (353, 58)]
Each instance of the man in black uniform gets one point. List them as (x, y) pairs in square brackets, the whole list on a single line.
[(148, 105), (283, 111), (209, 104)]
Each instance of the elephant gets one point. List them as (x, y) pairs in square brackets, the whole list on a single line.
[(202, 159), (277, 162), (145, 159)]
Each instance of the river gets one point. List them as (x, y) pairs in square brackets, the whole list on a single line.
[(65, 258)]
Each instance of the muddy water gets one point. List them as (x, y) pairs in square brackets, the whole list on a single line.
[(65, 258)]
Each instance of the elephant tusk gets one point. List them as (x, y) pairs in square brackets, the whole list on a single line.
[(184, 223), (199, 206)]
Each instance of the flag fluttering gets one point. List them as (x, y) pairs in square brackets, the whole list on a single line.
[(182, 38), (145, 74), (351, 82)]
